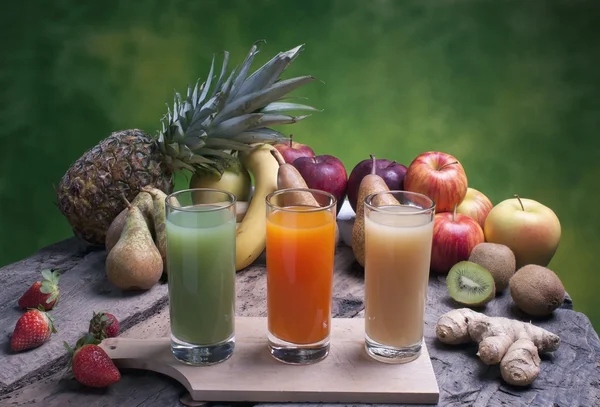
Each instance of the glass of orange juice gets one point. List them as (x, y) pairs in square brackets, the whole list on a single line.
[(300, 252), (398, 241)]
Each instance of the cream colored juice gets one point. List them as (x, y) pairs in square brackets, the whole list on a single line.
[(397, 258)]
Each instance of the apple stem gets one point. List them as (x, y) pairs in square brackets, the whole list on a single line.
[(291, 136), (521, 202), (373, 166), (452, 163), (454, 213)]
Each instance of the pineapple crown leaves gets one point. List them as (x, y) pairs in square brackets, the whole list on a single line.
[(204, 129), (50, 284)]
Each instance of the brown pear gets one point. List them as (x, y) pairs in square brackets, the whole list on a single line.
[(134, 263), (370, 184), (143, 200), (159, 216), (289, 177)]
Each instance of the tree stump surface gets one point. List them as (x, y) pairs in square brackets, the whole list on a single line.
[(570, 377)]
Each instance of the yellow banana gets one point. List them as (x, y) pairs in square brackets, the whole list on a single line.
[(251, 234)]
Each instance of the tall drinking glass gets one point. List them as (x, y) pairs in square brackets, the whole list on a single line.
[(398, 241), (201, 274), (300, 252)]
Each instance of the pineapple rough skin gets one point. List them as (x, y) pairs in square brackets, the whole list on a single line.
[(514, 344), (89, 194)]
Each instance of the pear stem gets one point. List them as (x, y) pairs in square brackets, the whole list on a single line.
[(452, 163), (125, 200), (520, 202), (278, 157), (374, 161)]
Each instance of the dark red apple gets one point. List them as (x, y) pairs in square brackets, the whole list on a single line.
[(440, 176), (292, 150), (454, 237), (391, 172), (325, 173)]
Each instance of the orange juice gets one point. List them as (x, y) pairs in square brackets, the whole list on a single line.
[(300, 252)]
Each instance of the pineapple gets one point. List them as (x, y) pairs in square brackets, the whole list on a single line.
[(204, 132)]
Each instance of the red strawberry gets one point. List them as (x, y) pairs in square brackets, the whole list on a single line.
[(44, 293), (104, 325), (91, 365), (32, 330)]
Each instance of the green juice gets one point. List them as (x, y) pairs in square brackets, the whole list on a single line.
[(201, 264)]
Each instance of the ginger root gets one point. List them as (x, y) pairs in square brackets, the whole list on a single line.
[(514, 344)]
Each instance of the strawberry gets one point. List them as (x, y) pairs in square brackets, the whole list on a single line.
[(104, 325), (32, 330), (91, 365), (44, 293)]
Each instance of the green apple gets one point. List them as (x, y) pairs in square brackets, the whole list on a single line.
[(235, 179), (530, 229)]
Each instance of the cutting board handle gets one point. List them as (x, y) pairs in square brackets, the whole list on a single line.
[(146, 354)]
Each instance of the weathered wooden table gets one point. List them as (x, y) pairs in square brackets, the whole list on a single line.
[(569, 378)]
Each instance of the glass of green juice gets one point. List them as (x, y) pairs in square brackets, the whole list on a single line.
[(200, 226)]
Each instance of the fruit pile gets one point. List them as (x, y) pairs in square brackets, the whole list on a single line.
[(113, 195), (205, 132), (482, 248), (90, 364)]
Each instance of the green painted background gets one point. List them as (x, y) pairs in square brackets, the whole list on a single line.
[(508, 87)]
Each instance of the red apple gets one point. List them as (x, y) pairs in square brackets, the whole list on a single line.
[(476, 205), (391, 172), (292, 150), (454, 237), (530, 229), (326, 173), (440, 176)]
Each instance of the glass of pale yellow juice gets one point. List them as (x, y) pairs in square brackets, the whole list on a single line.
[(398, 241)]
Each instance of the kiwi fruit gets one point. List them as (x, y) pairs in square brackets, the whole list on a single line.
[(470, 284), (536, 290), (496, 258)]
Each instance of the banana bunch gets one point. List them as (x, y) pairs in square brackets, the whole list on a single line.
[(251, 234)]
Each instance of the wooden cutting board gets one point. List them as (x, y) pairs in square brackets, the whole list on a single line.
[(346, 375)]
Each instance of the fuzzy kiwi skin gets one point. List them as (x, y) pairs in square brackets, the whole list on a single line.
[(498, 259), (536, 290)]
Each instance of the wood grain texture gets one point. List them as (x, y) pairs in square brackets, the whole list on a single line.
[(83, 289), (568, 378), (347, 374)]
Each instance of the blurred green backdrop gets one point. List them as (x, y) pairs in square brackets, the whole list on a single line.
[(508, 87)]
